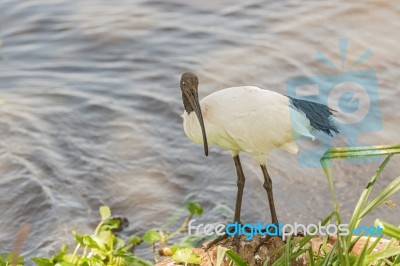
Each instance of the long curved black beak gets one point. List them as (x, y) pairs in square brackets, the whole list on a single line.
[(194, 101)]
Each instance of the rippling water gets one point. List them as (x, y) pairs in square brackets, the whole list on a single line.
[(91, 108)]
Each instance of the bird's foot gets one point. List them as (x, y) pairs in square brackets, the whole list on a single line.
[(235, 239), (216, 241), (236, 242), (262, 242), (267, 236)]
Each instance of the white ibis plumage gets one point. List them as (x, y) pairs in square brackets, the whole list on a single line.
[(253, 120)]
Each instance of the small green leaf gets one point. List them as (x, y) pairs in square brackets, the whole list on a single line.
[(58, 257), (105, 212), (120, 243), (151, 236), (78, 238), (119, 252), (68, 258), (135, 240), (104, 239), (195, 208), (64, 248), (186, 255), (65, 263), (85, 262), (112, 224), (43, 261), (90, 242)]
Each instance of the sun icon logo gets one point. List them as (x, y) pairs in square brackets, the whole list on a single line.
[(351, 91)]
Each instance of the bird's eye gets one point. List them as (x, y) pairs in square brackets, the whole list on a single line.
[(183, 83)]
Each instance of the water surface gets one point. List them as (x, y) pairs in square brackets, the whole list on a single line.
[(91, 108)]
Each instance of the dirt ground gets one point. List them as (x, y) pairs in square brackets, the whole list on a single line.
[(269, 250)]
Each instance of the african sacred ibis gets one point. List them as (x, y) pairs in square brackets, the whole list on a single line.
[(252, 120)]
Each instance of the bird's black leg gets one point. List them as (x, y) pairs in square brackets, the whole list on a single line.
[(240, 184), (268, 188), (238, 207)]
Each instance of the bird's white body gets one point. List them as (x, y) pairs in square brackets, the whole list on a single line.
[(248, 119)]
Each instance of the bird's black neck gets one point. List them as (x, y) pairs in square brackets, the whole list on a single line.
[(186, 104)]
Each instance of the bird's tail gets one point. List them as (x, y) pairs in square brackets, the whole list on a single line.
[(319, 115)]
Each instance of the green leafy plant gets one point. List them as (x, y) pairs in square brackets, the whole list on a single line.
[(103, 247), (186, 255), (11, 260), (181, 252), (340, 252)]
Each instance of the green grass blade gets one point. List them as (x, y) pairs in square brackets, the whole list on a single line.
[(397, 260), (389, 252), (288, 251), (327, 261), (354, 242), (374, 244), (387, 192), (311, 256), (362, 151), (235, 258), (339, 254), (357, 214), (328, 172), (388, 229), (361, 258), (361, 210), (388, 245), (306, 239)]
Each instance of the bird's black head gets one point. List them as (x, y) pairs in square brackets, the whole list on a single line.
[(189, 87)]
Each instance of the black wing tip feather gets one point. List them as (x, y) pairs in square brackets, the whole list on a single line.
[(319, 115)]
